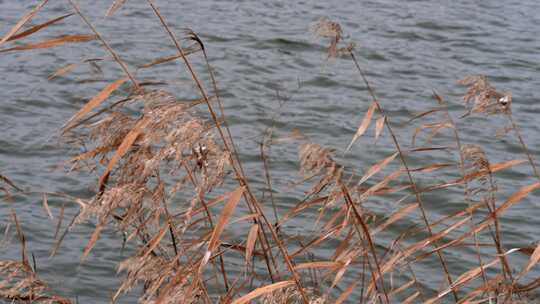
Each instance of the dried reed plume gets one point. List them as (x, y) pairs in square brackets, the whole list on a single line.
[(481, 97), (19, 283)]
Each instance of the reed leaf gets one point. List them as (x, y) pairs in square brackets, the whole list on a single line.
[(262, 290), (319, 264), (363, 125), (22, 21), (517, 196), (395, 217), (250, 244), (377, 167), (92, 103), (226, 212), (62, 71), (57, 41), (114, 7), (411, 298), (379, 126), (464, 278), (92, 241), (46, 206), (533, 260), (38, 27), (346, 293), (128, 141)]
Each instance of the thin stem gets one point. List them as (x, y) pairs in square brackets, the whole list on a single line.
[(269, 182), (405, 165), (210, 221), (107, 46), (367, 234), (523, 145), (242, 180), (232, 152), (242, 175), (497, 237), (463, 174)]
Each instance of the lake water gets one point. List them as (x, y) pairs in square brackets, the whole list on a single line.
[(258, 48)]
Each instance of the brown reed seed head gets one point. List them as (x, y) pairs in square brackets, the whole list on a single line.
[(482, 97), (290, 295), (475, 158), (478, 168), (328, 29), (18, 282), (324, 28), (172, 140), (155, 272), (316, 160)]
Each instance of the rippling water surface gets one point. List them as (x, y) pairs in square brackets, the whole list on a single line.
[(259, 48)]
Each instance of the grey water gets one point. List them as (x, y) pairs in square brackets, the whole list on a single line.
[(262, 53)]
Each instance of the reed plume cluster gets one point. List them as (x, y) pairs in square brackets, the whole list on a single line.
[(170, 179)]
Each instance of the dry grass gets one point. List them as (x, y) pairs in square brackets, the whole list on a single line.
[(171, 181)]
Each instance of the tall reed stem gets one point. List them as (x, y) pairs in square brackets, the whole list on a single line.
[(242, 180), (405, 165), (106, 45), (497, 237), (523, 144)]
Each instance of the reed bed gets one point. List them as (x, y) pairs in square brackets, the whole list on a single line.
[(170, 179)]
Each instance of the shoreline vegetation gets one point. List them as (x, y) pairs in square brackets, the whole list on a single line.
[(170, 179)]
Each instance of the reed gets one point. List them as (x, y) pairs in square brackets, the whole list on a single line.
[(169, 177)]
